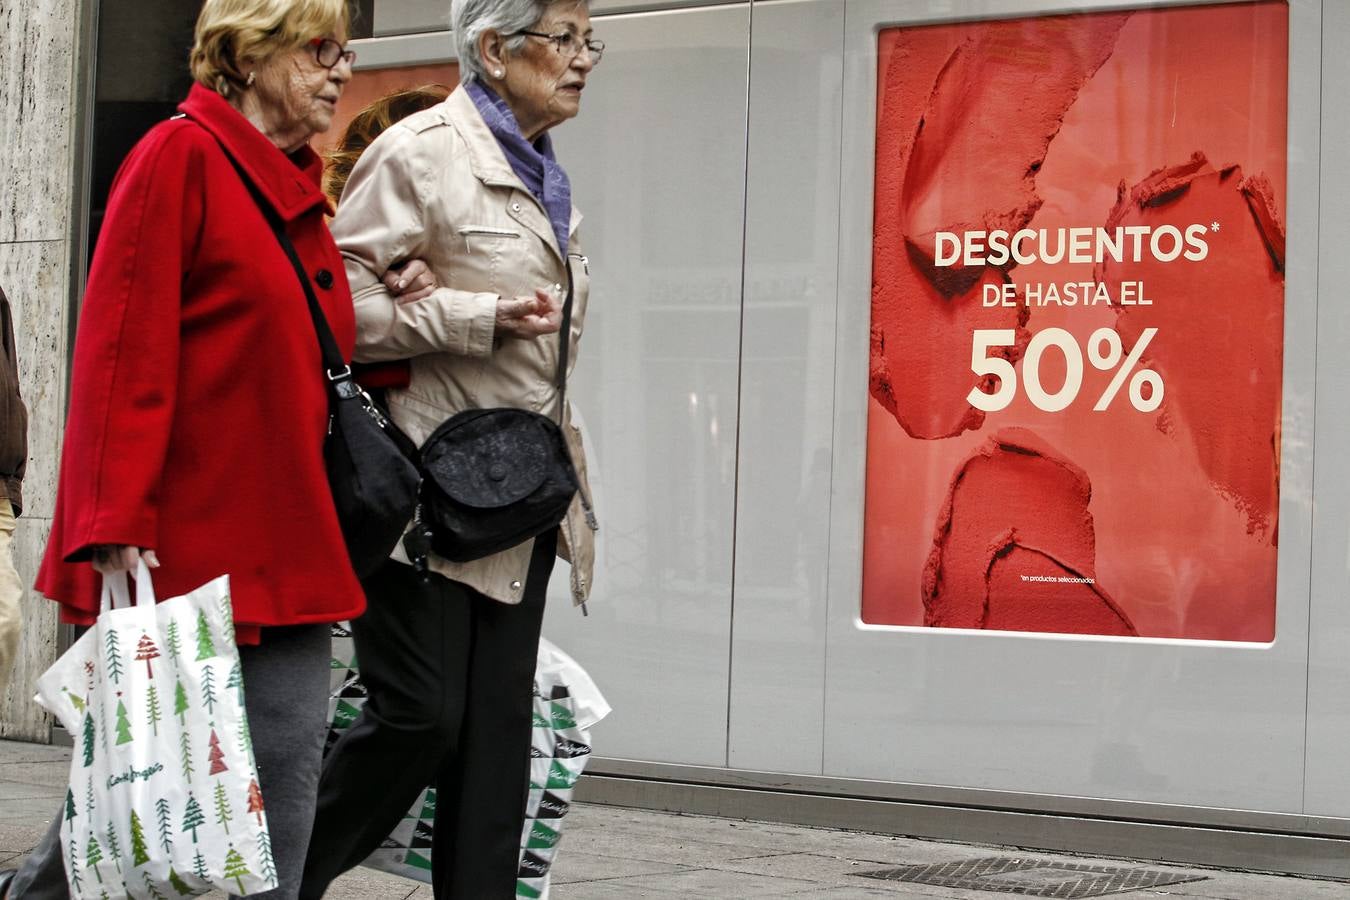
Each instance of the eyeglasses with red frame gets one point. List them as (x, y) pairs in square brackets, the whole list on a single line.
[(327, 52)]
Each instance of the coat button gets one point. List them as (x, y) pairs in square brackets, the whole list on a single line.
[(515, 207), (323, 278), (515, 585)]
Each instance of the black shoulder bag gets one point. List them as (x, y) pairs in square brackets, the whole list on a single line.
[(494, 478)]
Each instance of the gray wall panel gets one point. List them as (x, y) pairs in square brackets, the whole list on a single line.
[(1328, 769), (657, 160), (792, 244)]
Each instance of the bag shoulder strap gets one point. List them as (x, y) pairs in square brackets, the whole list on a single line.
[(333, 363), (564, 345)]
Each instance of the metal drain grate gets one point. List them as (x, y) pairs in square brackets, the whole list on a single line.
[(1032, 877)]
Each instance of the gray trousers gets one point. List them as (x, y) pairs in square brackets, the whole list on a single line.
[(286, 696)]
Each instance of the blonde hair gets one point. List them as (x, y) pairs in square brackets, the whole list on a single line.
[(367, 125), (230, 32)]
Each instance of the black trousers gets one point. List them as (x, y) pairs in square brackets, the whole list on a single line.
[(450, 675)]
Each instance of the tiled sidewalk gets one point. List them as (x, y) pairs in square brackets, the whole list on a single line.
[(623, 853)]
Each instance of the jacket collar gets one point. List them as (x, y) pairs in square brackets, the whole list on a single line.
[(486, 160), (289, 183)]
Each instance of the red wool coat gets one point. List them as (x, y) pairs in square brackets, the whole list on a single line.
[(198, 406)]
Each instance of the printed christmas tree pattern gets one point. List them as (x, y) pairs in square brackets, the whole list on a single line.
[(114, 847), (88, 739), (224, 812), (236, 681), (93, 855), (75, 880), (102, 730), (236, 868), (216, 755), (199, 867), (227, 616), (114, 654), (173, 642), (150, 888), (165, 827), (245, 739), (178, 884), (145, 652), (71, 811), (255, 800), (123, 726), (193, 817), (269, 865), (89, 797), (205, 648), (139, 854), (185, 753), (209, 689), (180, 702), (152, 712)]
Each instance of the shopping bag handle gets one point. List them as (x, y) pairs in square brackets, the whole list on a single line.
[(116, 593)]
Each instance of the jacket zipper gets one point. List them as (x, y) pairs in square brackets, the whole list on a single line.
[(469, 231)]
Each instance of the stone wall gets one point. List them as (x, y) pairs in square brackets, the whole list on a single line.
[(38, 99)]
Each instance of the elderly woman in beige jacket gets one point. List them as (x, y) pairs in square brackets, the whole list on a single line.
[(472, 187)]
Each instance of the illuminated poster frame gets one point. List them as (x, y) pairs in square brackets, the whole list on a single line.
[(1077, 324)]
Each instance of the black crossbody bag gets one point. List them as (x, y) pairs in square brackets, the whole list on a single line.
[(369, 460), (494, 478)]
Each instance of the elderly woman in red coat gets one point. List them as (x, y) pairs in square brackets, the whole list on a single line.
[(198, 406)]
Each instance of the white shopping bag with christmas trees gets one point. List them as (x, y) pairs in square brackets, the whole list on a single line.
[(163, 798), (566, 705)]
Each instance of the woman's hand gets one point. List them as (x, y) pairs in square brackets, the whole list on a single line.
[(529, 317), (410, 281), (112, 558)]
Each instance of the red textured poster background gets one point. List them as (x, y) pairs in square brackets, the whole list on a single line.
[(1118, 522)]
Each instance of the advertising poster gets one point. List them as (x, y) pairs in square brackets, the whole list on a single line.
[(369, 85), (1077, 324)]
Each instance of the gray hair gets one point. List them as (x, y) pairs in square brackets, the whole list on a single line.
[(470, 18)]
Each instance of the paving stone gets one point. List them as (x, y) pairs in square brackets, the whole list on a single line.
[(53, 774), (694, 883), (625, 853), (21, 790), (573, 865)]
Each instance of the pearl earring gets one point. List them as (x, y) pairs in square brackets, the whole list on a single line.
[(498, 74), (252, 77)]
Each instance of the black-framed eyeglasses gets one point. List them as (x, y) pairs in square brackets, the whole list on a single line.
[(327, 52), (569, 45)]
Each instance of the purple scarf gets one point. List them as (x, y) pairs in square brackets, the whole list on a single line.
[(534, 164)]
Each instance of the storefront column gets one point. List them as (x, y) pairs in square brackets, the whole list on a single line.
[(40, 99)]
